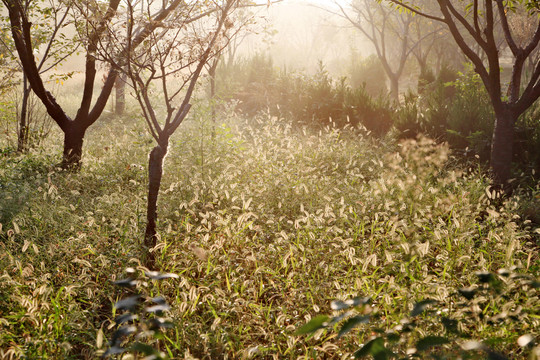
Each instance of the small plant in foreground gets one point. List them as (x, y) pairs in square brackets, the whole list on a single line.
[(442, 332), (139, 318)]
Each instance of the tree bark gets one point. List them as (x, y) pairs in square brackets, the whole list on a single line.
[(155, 172), (394, 87), (502, 145), (22, 141), (120, 94), (73, 143)]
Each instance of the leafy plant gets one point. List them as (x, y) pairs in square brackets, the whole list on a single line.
[(441, 329), (138, 317)]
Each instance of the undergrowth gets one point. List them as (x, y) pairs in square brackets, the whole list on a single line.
[(263, 223)]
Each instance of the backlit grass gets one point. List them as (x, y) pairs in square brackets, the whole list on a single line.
[(264, 224)]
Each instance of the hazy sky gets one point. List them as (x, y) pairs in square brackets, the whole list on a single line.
[(307, 34)]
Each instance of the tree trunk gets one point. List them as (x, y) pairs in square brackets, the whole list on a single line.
[(155, 172), (212, 74), (502, 145), (73, 143), (22, 141), (394, 88), (120, 94)]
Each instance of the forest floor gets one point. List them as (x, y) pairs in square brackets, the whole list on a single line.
[(265, 225)]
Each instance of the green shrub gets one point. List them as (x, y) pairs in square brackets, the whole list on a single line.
[(527, 140), (138, 317), (453, 108), (442, 330), (470, 117), (316, 101)]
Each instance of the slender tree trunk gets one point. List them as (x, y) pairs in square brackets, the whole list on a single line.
[(73, 143), (120, 94), (212, 74), (155, 172), (502, 145), (394, 88), (22, 141)]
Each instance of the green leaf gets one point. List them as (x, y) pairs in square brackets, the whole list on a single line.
[(473, 345), (450, 325), (318, 322), (525, 340), (157, 308), (351, 323), (374, 348), (393, 337), (113, 350), (125, 318), (492, 355), (126, 282), (420, 307), (430, 341), (485, 277), (143, 348), (128, 303), (155, 275)]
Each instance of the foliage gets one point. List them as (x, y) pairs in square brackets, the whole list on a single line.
[(527, 140), (471, 118), (262, 224), (453, 108), (316, 100), (136, 322), (439, 332), (8, 123), (368, 73)]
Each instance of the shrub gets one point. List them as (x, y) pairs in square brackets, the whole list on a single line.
[(316, 100), (367, 73), (442, 330), (453, 108), (138, 317), (470, 117)]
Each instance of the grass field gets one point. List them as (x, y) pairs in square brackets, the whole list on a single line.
[(265, 225)]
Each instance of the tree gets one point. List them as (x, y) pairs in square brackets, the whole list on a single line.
[(74, 129), (97, 18), (52, 47), (474, 26), (390, 32), (172, 61)]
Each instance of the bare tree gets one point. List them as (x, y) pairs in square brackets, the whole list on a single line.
[(52, 46), (171, 60), (97, 18), (74, 129), (392, 34), (474, 27)]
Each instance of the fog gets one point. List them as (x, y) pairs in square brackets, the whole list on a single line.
[(298, 35)]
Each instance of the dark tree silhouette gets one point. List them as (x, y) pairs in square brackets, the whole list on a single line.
[(98, 23), (474, 26)]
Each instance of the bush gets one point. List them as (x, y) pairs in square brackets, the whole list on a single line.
[(436, 330), (470, 117), (527, 140), (455, 107), (316, 100), (367, 73)]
